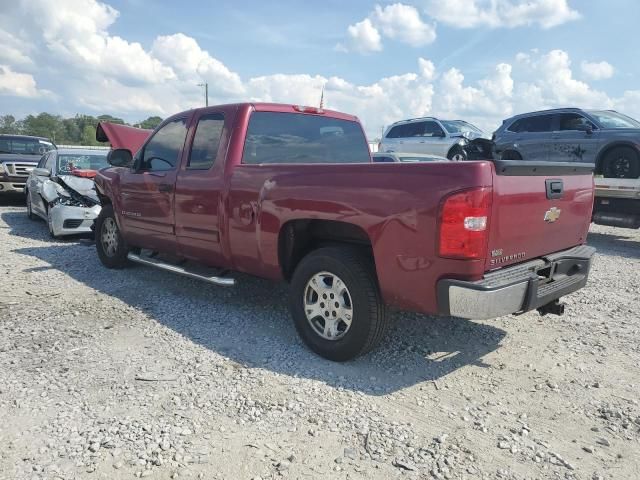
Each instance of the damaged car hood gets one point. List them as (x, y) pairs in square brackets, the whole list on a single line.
[(78, 189), (122, 136)]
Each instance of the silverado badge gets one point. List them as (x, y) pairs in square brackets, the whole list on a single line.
[(552, 215)]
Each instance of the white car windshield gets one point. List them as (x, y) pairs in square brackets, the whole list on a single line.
[(459, 126), (614, 120), (69, 162)]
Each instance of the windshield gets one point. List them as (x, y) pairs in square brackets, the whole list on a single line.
[(24, 146), (458, 126), (614, 120), (68, 162)]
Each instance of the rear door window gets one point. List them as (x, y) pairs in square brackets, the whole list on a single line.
[(275, 137), (206, 142)]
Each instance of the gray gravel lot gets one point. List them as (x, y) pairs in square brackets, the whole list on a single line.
[(138, 373)]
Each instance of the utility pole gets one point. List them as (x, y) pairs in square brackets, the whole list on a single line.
[(206, 93)]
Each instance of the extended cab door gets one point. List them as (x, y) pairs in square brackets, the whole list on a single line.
[(147, 190), (199, 187)]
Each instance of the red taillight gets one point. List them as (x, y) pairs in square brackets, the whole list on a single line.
[(464, 222), (303, 109)]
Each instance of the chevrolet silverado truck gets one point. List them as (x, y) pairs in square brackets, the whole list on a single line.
[(19, 154), (290, 193)]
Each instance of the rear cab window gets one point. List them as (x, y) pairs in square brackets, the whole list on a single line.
[(298, 138)]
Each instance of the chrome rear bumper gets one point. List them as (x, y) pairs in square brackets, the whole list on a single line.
[(517, 289)]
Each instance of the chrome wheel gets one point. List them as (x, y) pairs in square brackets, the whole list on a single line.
[(328, 306), (109, 237), (621, 167)]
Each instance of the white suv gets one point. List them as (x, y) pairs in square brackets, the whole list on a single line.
[(446, 138)]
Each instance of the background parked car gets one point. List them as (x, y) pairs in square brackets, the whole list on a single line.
[(607, 138), (19, 154), (395, 157), (454, 139), (61, 190)]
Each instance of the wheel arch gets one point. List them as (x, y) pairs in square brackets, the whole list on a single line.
[(299, 237), (610, 146)]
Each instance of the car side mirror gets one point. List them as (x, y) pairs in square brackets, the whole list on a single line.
[(588, 129), (120, 157), (42, 172)]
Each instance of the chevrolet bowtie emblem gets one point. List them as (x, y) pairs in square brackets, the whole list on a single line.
[(552, 215)]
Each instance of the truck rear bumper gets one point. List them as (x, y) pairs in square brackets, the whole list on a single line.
[(519, 288)]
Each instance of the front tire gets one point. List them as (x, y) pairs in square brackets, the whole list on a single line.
[(30, 214), (457, 154), (336, 304), (110, 245), (621, 162)]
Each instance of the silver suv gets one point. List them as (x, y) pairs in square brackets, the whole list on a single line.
[(446, 138), (607, 138)]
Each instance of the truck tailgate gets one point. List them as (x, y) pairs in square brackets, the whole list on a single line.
[(538, 208)]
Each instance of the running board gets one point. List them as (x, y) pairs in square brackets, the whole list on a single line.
[(152, 262)]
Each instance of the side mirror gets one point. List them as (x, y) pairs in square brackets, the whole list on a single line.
[(42, 172), (120, 157), (588, 129)]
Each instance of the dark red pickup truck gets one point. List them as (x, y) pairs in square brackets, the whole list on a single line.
[(289, 193)]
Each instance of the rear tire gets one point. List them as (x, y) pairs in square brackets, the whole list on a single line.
[(338, 285), (621, 162), (110, 245)]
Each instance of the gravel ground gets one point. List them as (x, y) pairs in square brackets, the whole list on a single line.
[(138, 373)]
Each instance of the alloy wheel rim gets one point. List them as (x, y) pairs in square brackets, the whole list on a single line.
[(621, 167), (109, 237), (328, 306)]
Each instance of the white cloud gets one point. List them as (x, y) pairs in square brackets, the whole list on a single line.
[(398, 21), (76, 32), (175, 63), (403, 23), (501, 13), (597, 70), (427, 68), (18, 84), (185, 57), (362, 37)]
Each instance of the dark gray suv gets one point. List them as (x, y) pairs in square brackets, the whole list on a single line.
[(607, 138)]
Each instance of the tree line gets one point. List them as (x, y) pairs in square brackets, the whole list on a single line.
[(78, 130)]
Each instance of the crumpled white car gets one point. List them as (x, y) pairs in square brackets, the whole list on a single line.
[(61, 190)]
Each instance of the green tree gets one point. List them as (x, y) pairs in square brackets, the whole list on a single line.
[(110, 119), (150, 123), (8, 124), (44, 125)]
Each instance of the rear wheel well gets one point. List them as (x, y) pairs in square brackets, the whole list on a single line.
[(299, 237)]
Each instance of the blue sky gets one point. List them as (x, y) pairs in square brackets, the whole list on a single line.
[(482, 60)]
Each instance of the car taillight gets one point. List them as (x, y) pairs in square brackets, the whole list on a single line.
[(464, 221)]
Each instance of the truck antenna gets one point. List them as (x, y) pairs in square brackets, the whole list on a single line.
[(322, 98)]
